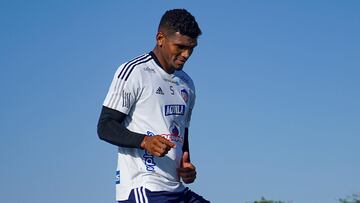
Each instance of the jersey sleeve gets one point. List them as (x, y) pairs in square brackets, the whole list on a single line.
[(188, 116), (192, 97), (123, 91)]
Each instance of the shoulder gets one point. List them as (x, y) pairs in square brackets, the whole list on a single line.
[(185, 78), (133, 68)]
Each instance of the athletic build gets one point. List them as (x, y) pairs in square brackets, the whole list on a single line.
[(146, 113)]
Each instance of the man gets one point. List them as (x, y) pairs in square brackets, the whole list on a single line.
[(146, 113)]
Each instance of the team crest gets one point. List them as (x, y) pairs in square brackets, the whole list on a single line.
[(174, 129)]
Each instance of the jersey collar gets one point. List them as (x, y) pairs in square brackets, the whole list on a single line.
[(171, 75), (156, 59)]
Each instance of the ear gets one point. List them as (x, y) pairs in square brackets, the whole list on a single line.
[(160, 38)]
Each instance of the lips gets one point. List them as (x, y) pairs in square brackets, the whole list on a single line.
[(181, 61)]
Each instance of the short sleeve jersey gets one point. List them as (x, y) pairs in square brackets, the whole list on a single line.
[(156, 103)]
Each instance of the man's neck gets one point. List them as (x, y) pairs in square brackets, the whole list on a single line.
[(161, 62)]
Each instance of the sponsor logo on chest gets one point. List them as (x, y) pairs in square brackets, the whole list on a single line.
[(174, 109)]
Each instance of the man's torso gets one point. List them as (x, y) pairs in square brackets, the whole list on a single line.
[(157, 103)]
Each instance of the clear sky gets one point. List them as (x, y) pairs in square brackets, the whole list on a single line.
[(278, 101)]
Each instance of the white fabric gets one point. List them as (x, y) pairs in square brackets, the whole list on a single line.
[(156, 103)]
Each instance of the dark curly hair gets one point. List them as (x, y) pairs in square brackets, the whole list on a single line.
[(180, 20)]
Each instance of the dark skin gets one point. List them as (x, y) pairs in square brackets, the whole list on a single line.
[(172, 50)]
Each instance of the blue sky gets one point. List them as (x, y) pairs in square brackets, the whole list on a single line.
[(277, 112)]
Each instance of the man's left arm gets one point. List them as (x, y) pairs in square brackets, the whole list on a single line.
[(187, 170)]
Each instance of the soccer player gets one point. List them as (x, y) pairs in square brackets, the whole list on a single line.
[(146, 113)]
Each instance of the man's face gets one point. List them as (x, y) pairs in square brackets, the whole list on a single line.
[(176, 49)]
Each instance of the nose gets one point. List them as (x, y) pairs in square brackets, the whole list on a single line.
[(186, 53)]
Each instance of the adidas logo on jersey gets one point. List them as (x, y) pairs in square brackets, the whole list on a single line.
[(159, 91)]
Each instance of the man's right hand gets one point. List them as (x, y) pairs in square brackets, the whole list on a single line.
[(157, 145)]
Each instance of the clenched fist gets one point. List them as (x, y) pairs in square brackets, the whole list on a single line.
[(187, 170), (157, 145)]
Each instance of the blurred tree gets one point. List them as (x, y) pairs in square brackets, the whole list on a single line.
[(355, 198), (263, 200)]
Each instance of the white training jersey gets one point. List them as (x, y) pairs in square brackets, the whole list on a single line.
[(156, 103)]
